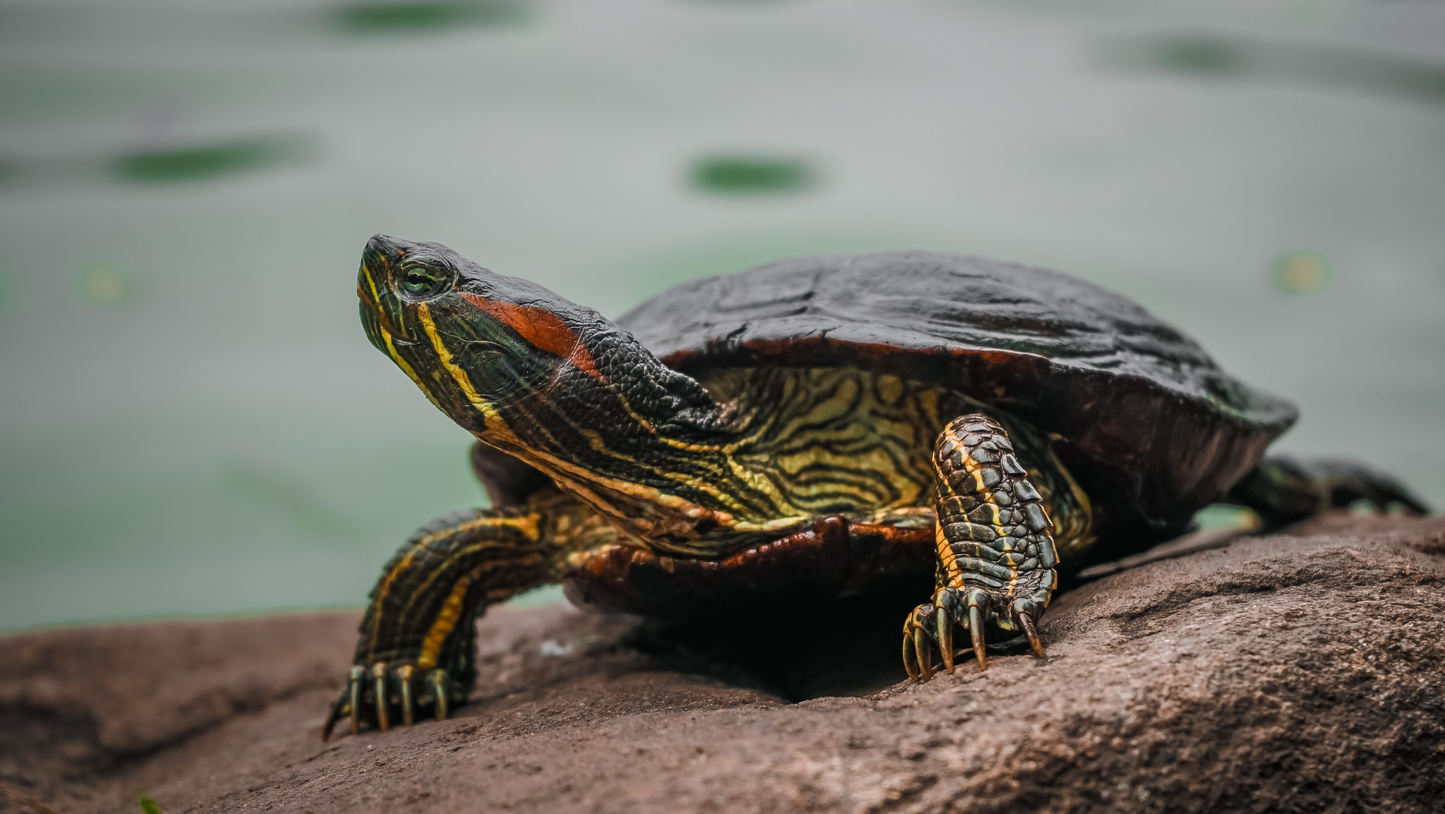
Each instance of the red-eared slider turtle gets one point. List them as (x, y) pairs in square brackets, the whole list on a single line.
[(796, 432)]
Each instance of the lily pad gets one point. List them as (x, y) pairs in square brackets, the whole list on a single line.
[(750, 174), (372, 18), (201, 161)]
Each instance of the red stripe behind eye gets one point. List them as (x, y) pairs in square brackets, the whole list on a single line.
[(541, 328)]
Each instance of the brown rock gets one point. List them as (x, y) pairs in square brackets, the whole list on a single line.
[(1291, 673)]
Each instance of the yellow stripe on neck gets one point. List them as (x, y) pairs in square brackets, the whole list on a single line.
[(444, 355)]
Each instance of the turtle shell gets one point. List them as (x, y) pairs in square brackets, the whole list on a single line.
[(1146, 421)]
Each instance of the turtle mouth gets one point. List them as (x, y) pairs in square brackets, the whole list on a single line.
[(379, 314)]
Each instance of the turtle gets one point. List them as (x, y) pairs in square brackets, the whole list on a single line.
[(805, 430)]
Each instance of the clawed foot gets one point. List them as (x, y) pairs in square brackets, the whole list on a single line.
[(401, 688), (932, 625)]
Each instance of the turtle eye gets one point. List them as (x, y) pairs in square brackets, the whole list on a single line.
[(423, 282)]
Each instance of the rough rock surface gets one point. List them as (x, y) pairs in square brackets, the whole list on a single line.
[(1291, 673)]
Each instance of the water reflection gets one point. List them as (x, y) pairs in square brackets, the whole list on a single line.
[(1295, 62)]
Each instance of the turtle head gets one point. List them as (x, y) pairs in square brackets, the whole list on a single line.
[(517, 365), (474, 341)]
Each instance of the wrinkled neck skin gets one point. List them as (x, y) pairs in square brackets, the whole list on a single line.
[(570, 393), (607, 421), (603, 410)]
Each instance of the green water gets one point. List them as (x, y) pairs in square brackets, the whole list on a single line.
[(191, 420)]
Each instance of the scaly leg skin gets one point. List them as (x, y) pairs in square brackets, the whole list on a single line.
[(996, 557), (416, 656)]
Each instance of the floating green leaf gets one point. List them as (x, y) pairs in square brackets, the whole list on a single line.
[(203, 161), (1305, 63), (1199, 56), (742, 174), (368, 18)]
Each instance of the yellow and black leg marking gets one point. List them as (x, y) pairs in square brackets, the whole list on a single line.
[(996, 556), (417, 652)]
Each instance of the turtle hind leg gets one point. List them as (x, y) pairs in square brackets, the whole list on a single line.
[(417, 653), (1348, 483), (995, 554), (1283, 491)]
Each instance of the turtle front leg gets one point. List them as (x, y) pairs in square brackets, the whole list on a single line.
[(996, 556), (417, 652)]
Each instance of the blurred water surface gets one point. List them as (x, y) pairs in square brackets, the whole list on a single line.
[(191, 420)]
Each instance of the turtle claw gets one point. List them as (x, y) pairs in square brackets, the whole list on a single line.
[(378, 671), (440, 690), (403, 674), (917, 653), (353, 685), (1026, 621), (975, 630), (391, 687), (346, 704), (934, 624), (945, 640), (923, 653)]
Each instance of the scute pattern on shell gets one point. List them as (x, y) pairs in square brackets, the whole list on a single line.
[(1145, 417), (936, 303)]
